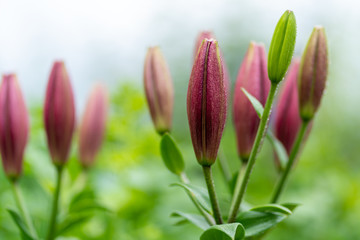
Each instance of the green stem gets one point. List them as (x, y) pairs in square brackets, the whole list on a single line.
[(238, 185), (52, 220), (21, 206), (294, 151), (212, 194), (238, 196), (209, 219)]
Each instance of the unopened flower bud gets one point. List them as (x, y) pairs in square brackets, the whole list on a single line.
[(200, 38), (287, 119), (14, 126), (159, 90), (93, 125), (282, 47), (210, 35), (253, 78), (207, 102), (59, 114), (313, 74)]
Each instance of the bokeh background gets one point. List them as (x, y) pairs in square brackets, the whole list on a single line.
[(106, 41)]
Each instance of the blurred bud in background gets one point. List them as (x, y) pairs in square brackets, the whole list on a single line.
[(14, 126), (282, 47), (313, 74), (287, 119), (59, 114), (92, 126), (159, 90), (253, 78), (207, 102)]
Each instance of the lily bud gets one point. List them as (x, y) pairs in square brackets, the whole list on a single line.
[(92, 126), (59, 114), (313, 74), (253, 78), (210, 35), (287, 120), (14, 126), (159, 90), (207, 102), (202, 35), (282, 47)]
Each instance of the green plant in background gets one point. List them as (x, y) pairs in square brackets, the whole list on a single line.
[(206, 108)]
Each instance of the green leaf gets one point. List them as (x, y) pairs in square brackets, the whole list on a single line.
[(290, 206), (71, 221), (171, 154), (282, 47), (232, 231), (195, 219), (200, 194), (279, 150), (25, 234), (275, 208), (255, 103), (262, 218)]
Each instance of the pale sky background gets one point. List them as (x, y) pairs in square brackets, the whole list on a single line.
[(106, 40)]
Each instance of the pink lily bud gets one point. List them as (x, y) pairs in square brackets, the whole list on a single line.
[(287, 119), (159, 90), (92, 126), (313, 74), (14, 126), (210, 35), (59, 114), (200, 38), (207, 102), (253, 78)]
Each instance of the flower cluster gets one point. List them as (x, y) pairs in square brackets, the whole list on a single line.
[(59, 122), (255, 90)]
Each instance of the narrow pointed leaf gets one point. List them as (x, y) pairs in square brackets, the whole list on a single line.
[(201, 194), (255, 103), (232, 231), (275, 208), (260, 219), (171, 154), (290, 206), (72, 221), (195, 219), (25, 234), (279, 149)]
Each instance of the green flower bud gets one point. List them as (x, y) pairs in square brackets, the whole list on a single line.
[(282, 47), (313, 74)]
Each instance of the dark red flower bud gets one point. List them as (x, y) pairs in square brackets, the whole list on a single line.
[(207, 102), (253, 78), (14, 126), (287, 119), (313, 74), (200, 38), (92, 126), (159, 90), (59, 114)]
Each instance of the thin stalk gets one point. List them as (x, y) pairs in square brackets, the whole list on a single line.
[(239, 195), (209, 219), (21, 206), (294, 151), (54, 211), (224, 166), (212, 194), (238, 184)]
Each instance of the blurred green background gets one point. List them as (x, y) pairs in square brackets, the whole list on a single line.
[(108, 40)]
